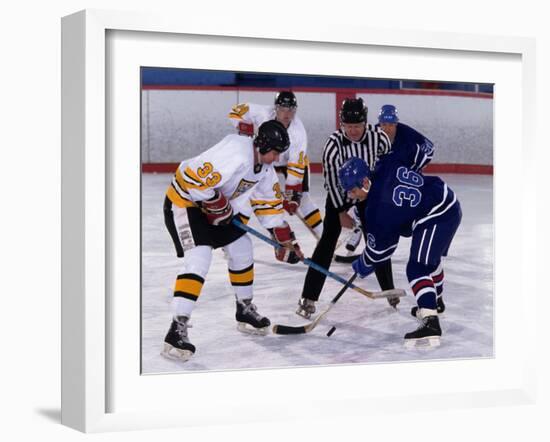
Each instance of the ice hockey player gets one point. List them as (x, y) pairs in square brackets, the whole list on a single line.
[(403, 202), (294, 163), (231, 179), (355, 137), (412, 148)]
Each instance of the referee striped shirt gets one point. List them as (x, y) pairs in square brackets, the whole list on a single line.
[(338, 149)]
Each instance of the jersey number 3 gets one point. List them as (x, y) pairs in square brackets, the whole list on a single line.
[(207, 171), (408, 189)]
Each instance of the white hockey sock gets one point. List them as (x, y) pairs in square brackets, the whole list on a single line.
[(182, 306)]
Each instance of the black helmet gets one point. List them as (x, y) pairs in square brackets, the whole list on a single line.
[(272, 135), (286, 99), (353, 111)]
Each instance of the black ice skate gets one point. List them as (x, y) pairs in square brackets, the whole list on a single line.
[(440, 307), (306, 307), (249, 320), (428, 333), (176, 342)]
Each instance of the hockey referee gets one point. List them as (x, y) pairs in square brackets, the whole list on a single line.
[(355, 138)]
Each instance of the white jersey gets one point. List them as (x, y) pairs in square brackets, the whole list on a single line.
[(295, 158), (229, 168)]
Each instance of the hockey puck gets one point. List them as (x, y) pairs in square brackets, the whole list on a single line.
[(331, 331)]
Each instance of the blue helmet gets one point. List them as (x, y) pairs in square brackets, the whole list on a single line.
[(388, 114), (353, 172)]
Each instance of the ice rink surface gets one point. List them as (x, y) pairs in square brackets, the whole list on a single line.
[(367, 331)]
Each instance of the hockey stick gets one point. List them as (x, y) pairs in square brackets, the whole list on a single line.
[(289, 330), (393, 293), (346, 259)]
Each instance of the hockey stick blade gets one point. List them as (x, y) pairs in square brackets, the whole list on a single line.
[(393, 293), (345, 259), (288, 330)]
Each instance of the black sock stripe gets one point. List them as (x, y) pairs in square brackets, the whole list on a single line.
[(186, 296), (192, 277), (242, 284), (240, 272), (316, 224), (309, 215)]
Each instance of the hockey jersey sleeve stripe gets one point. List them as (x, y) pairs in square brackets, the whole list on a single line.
[(294, 173), (381, 252), (192, 176), (421, 158), (296, 166), (447, 202), (189, 183), (272, 203), (177, 199), (373, 260), (263, 212), (178, 179)]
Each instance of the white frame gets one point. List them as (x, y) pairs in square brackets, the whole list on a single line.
[(84, 236)]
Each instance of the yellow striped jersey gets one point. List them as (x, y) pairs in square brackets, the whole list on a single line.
[(295, 158), (228, 167)]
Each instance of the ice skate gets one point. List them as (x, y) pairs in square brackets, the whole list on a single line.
[(440, 308), (306, 307), (393, 302), (249, 320), (428, 333), (176, 342), (350, 246), (354, 240)]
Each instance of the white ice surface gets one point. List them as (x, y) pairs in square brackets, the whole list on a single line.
[(367, 331)]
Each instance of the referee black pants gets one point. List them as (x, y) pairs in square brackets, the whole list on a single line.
[(324, 252)]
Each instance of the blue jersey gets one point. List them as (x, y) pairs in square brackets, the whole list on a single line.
[(412, 148), (399, 201)]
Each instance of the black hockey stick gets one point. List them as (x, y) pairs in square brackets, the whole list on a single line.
[(289, 330), (393, 293), (346, 259)]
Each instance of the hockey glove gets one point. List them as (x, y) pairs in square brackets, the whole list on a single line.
[(361, 267), (293, 197), (290, 251), (217, 209)]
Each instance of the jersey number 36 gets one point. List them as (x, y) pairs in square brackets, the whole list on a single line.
[(407, 191)]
